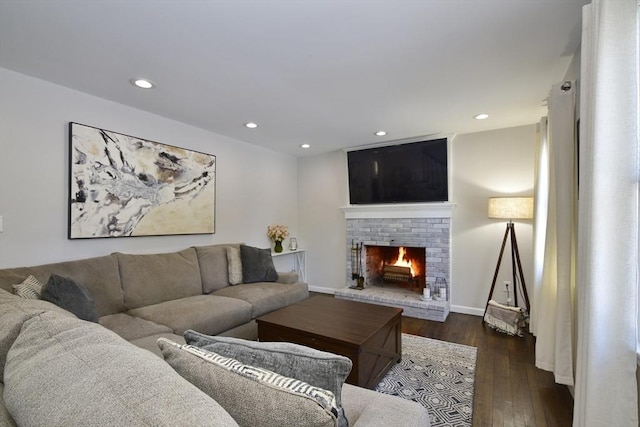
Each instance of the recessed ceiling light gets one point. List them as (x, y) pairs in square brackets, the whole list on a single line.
[(305, 146), (251, 125), (481, 116), (143, 83), (380, 133)]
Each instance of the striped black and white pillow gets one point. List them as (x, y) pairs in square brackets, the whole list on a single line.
[(324, 397), (282, 392), (30, 288), (325, 370)]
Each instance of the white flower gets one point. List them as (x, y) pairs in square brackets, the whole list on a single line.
[(277, 232)]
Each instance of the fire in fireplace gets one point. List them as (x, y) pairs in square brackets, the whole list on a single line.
[(395, 266)]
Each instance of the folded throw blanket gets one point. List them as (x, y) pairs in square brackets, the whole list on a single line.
[(504, 318)]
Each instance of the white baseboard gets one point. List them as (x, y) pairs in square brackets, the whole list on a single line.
[(454, 308), (467, 310), (322, 290)]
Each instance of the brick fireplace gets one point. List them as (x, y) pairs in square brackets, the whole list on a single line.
[(422, 229)]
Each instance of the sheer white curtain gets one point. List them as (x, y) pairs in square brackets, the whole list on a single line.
[(607, 303), (552, 314)]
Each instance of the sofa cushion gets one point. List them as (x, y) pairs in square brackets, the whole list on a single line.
[(14, 311), (213, 267), (235, 265), (288, 277), (30, 288), (72, 296), (246, 331), (253, 396), (208, 314), (100, 275), (5, 417), (266, 297), (319, 368), (64, 371), (155, 278), (257, 265), (131, 328)]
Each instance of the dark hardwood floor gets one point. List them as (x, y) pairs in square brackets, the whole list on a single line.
[(509, 389)]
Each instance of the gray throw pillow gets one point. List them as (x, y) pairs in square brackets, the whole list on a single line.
[(72, 296), (253, 396), (257, 265), (318, 368)]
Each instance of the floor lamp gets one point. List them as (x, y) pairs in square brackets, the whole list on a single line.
[(511, 208)]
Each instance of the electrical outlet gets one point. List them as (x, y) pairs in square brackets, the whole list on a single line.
[(507, 291)]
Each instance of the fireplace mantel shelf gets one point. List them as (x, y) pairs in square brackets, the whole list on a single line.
[(413, 210)]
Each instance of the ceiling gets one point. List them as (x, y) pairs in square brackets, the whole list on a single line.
[(329, 73)]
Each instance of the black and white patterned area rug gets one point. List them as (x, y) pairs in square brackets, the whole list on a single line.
[(437, 374)]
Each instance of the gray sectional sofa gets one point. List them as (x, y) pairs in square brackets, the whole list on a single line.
[(60, 370), (143, 297)]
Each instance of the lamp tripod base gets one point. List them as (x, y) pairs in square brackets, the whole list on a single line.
[(516, 269)]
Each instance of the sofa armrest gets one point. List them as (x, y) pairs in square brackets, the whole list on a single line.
[(369, 408), (287, 278), (121, 384)]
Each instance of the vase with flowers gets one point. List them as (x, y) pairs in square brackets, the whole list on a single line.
[(277, 233)]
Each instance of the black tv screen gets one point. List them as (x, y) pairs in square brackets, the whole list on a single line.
[(405, 173)]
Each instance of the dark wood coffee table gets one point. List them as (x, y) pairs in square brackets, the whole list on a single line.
[(370, 335)]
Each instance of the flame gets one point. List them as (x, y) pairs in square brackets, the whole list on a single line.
[(402, 262)]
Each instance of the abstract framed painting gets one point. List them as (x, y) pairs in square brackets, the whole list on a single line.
[(123, 186)]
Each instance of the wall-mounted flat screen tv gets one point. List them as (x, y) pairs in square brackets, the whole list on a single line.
[(405, 173)]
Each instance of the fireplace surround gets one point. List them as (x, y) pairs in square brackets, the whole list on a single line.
[(424, 226)]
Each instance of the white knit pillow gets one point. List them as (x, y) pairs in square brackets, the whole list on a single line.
[(30, 288), (235, 265)]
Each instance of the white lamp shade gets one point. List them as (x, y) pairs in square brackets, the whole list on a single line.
[(511, 207)]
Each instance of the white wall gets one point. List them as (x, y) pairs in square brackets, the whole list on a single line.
[(486, 164), (322, 190), (255, 187)]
